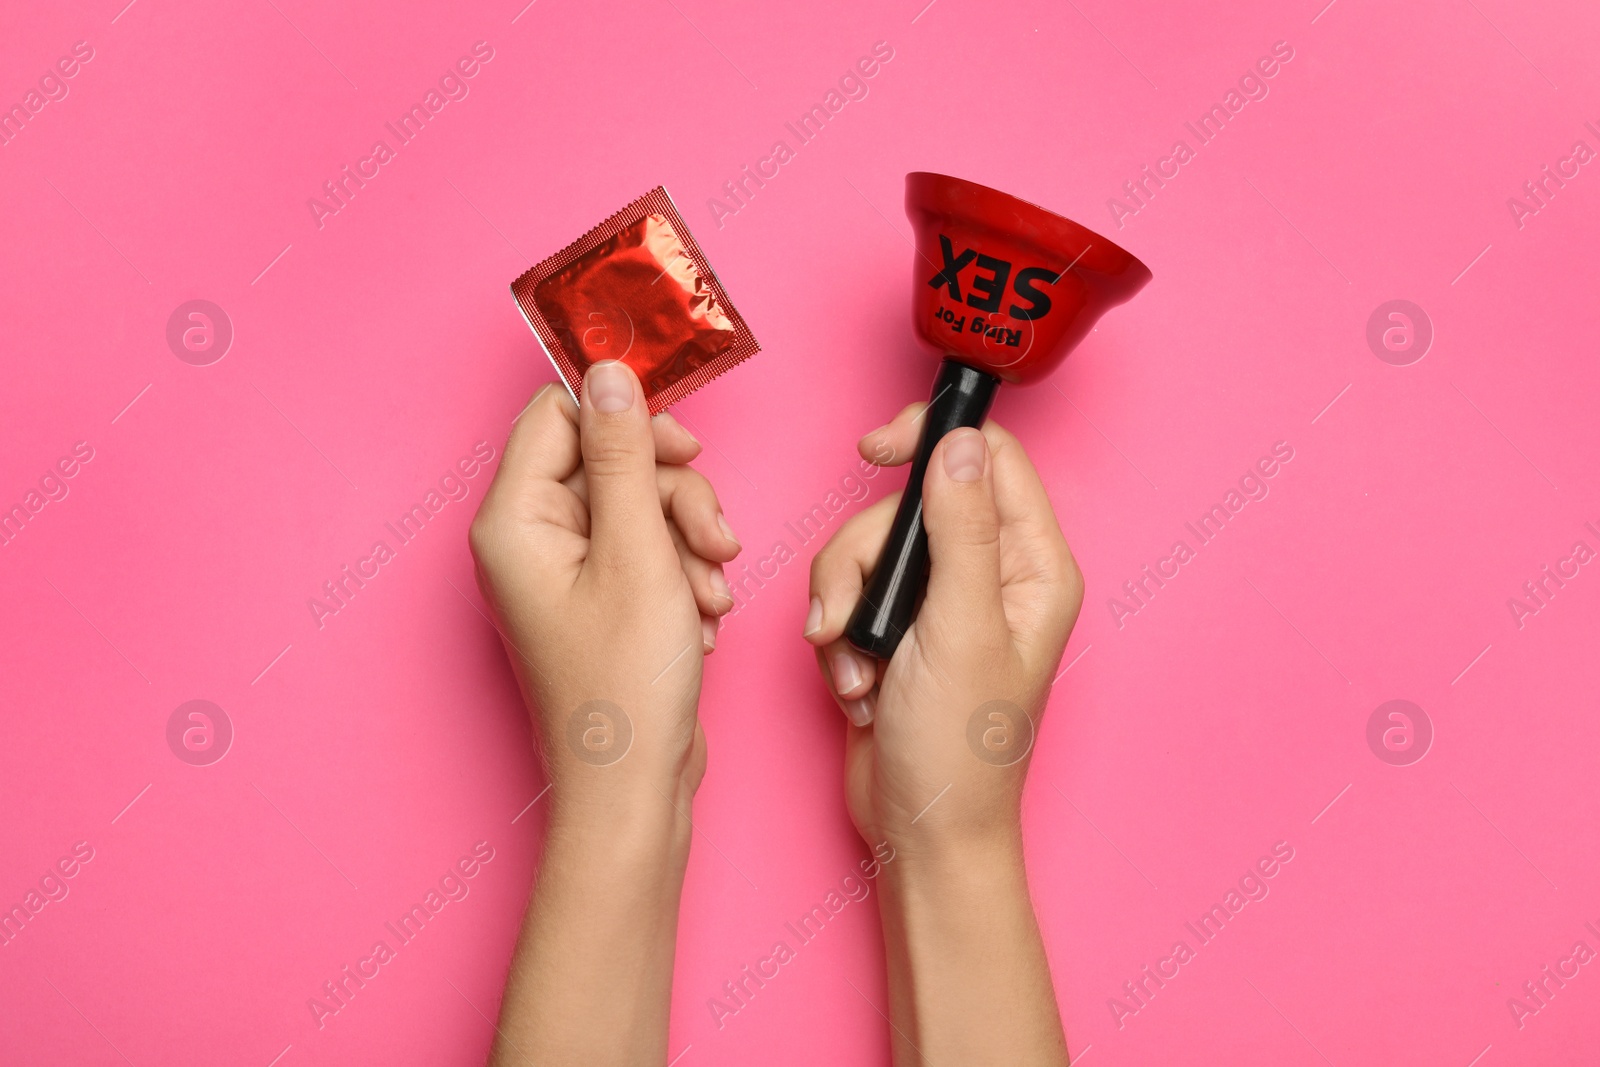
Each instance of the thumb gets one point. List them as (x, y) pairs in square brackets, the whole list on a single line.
[(619, 462), (963, 602)]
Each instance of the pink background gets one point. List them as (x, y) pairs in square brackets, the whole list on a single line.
[(371, 354)]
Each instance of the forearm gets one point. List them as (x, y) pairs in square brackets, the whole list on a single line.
[(968, 979), (591, 980)]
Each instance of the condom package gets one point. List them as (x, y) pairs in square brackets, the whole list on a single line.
[(636, 288)]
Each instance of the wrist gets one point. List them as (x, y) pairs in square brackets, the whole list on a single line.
[(938, 873), (634, 818), (973, 818)]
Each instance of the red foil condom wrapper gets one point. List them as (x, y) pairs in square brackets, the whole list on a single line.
[(636, 288)]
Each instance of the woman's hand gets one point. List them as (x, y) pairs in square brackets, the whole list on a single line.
[(939, 739), (601, 553), (950, 720)]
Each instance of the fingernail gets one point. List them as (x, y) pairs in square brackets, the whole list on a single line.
[(846, 673), (814, 617), (708, 632), (609, 387), (727, 531), (719, 586), (860, 711), (963, 455)]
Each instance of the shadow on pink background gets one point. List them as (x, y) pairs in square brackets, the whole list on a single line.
[(1199, 724)]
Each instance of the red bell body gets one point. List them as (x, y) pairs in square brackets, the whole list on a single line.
[(1004, 285)]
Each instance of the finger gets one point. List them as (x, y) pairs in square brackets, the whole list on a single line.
[(896, 442), (691, 503), (1019, 494), (674, 444), (711, 592), (963, 522), (837, 571), (688, 499), (860, 710), (543, 445), (706, 581), (850, 673), (626, 527), (1042, 583), (708, 633), (527, 497)]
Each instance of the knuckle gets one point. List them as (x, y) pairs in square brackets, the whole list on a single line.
[(1064, 609), (695, 490), (690, 481), (613, 439), (830, 567), (999, 437), (1006, 451), (973, 527), (483, 535), (1074, 576), (540, 418), (821, 565), (1061, 564), (609, 453), (1068, 588), (554, 404)]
